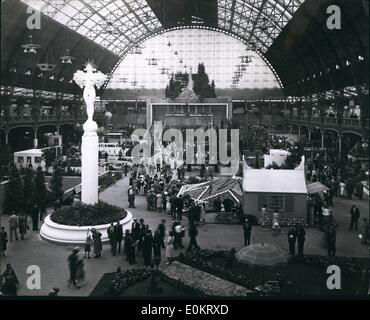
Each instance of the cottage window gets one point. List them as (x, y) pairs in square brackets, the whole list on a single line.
[(276, 202)]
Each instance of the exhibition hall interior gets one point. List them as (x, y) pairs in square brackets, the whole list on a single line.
[(184, 148)]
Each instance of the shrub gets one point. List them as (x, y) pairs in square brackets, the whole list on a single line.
[(80, 214)]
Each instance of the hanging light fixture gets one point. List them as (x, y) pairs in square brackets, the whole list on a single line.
[(137, 50), (67, 58), (30, 47), (47, 66), (153, 61)]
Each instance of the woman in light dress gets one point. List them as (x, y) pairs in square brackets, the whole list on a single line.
[(342, 188), (159, 202), (169, 248), (168, 205)]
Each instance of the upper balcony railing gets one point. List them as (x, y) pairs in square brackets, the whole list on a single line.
[(330, 121), (28, 119)]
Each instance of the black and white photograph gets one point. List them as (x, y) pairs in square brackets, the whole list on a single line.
[(184, 150)]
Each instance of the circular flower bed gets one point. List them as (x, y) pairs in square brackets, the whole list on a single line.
[(80, 214)]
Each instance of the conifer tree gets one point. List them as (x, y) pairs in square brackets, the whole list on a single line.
[(15, 191)]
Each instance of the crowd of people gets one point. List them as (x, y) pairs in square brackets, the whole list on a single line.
[(18, 228)]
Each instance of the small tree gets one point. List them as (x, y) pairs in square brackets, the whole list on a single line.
[(14, 194), (56, 183), (29, 189), (40, 190), (257, 161)]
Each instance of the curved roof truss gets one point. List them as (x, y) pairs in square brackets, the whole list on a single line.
[(116, 24)]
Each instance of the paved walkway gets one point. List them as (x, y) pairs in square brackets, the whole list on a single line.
[(52, 259), (208, 283)]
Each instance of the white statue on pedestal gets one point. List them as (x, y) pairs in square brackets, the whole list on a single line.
[(89, 149), (87, 81)]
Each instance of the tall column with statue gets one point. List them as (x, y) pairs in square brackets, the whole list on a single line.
[(87, 80)]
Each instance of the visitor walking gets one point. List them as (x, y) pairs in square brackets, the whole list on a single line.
[(247, 229), (80, 272), (23, 226), (112, 239), (98, 246), (355, 215), (275, 223), (88, 243), (126, 243), (118, 230), (3, 241), (193, 232), (9, 281), (179, 207), (292, 238), (263, 216), (178, 233), (157, 247), (342, 189), (162, 232), (35, 217), (132, 244), (73, 266), (13, 226), (147, 248), (301, 237), (131, 197), (170, 248), (203, 214)]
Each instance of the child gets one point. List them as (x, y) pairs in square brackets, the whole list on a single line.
[(88, 243)]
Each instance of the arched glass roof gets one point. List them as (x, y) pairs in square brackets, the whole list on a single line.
[(113, 24), (117, 24), (179, 50)]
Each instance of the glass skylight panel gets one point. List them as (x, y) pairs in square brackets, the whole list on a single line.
[(193, 46)]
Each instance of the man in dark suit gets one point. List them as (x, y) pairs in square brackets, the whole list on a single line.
[(119, 235), (179, 207), (301, 237), (355, 215), (112, 239), (35, 217), (247, 228), (193, 232)]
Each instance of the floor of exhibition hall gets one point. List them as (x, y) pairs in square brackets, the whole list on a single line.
[(52, 259)]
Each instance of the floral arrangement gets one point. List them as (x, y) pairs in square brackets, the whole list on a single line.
[(202, 259), (123, 280), (348, 265), (80, 214)]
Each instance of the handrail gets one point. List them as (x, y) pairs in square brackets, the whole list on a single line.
[(346, 122)]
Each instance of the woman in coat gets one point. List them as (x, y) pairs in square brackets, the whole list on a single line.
[(169, 248), (9, 281), (98, 246), (3, 241), (157, 247)]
